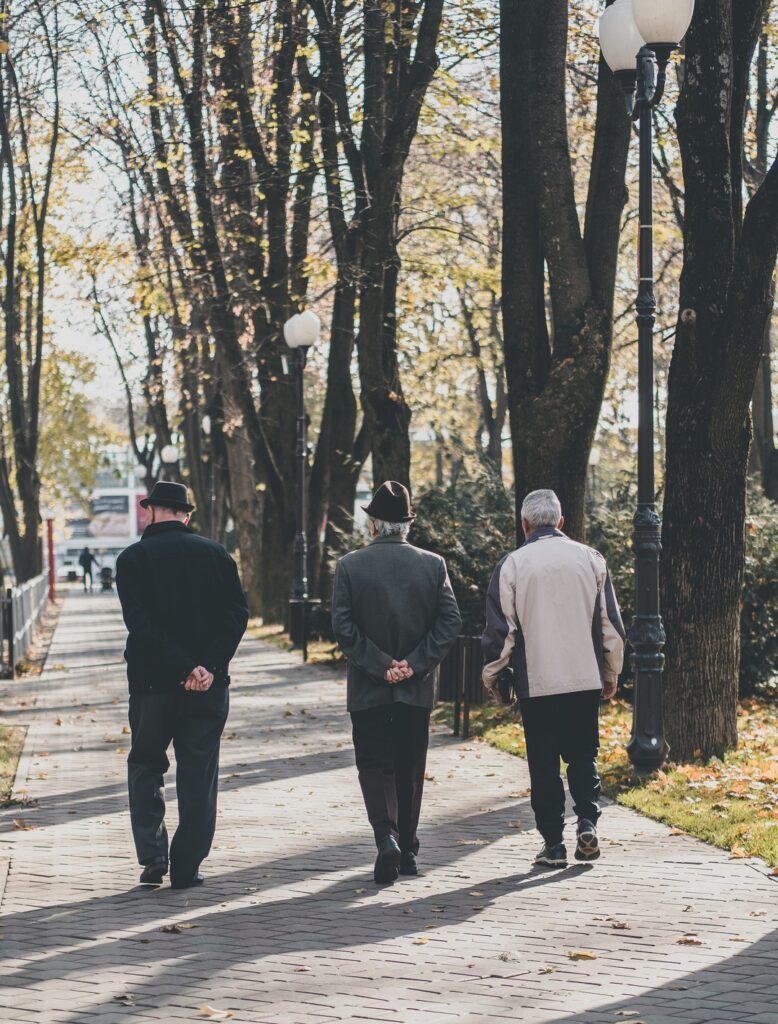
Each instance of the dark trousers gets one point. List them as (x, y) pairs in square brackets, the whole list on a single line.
[(564, 725), (390, 743), (88, 576), (194, 722)]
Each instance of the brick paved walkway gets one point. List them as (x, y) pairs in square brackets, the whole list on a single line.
[(289, 927)]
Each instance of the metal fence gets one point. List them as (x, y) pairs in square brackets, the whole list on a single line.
[(22, 608), (460, 682)]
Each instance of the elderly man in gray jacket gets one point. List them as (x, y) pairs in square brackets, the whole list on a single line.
[(552, 616), (395, 616)]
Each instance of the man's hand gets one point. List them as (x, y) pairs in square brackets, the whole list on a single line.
[(397, 671), (199, 680), (609, 689), (493, 699)]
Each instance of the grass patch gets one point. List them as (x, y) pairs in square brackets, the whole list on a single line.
[(11, 743), (732, 803), (320, 652)]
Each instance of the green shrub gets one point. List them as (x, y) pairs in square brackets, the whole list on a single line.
[(471, 524)]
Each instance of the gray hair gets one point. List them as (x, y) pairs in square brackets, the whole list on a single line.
[(384, 529), (541, 508)]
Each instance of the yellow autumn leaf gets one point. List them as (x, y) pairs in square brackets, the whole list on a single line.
[(211, 1011), (581, 954)]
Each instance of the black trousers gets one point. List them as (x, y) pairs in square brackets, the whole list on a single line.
[(390, 743), (564, 725), (194, 722)]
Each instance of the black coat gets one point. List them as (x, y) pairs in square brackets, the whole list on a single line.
[(392, 600), (183, 606)]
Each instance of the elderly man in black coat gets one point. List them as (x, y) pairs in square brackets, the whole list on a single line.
[(185, 613), (395, 616)]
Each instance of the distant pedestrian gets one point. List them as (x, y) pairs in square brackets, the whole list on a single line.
[(395, 617), (552, 615), (86, 560), (185, 613)]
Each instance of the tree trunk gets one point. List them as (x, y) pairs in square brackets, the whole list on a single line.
[(724, 304), (556, 368), (335, 467), (246, 501)]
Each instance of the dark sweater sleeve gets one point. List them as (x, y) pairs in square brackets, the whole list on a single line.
[(234, 617), (356, 645), (148, 635), (429, 653)]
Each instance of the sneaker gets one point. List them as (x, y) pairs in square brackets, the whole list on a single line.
[(553, 855), (587, 847)]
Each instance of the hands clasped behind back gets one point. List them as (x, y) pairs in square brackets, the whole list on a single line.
[(398, 671), (199, 680)]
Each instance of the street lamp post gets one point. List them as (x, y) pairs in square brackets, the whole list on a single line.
[(637, 39), (300, 332)]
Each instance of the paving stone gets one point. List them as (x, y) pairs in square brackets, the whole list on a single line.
[(289, 926)]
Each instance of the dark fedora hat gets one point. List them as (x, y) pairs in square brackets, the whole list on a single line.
[(167, 494), (391, 503)]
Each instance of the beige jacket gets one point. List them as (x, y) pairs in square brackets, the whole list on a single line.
[(552, 614)]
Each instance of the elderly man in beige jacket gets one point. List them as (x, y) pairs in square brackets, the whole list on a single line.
[(553, 619)]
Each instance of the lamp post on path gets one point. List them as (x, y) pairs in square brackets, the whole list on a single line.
[(637, 38), (300, 332)]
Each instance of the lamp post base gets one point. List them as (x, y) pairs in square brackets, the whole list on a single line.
[(300, 609)]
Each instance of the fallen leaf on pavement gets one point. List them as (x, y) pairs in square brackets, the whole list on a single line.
[(126, 1000), (546, 970), (677, 832), (359, 891), (420, 942), (211, 1011), (689, 940), (177, 927), (581, 954), (22, 825), (626, 1013), (475, 892), (620, 925)]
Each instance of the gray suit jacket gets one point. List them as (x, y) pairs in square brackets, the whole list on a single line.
[(392, 600)]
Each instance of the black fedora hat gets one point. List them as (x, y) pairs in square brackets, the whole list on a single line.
[(167, 494), (391, 503)]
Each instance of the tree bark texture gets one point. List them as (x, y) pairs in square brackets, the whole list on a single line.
[(729, 259), (557, 336)]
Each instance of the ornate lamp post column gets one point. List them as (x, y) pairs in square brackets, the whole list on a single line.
[(300, 332), (637, 39)]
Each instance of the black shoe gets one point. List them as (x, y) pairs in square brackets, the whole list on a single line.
[(408, 865), (189, 883), (154, 872), (588, 847), (387, 863), (553, 855)]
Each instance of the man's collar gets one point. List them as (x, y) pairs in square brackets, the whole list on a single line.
[(392, 538), (542, 533), (167, 524)]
